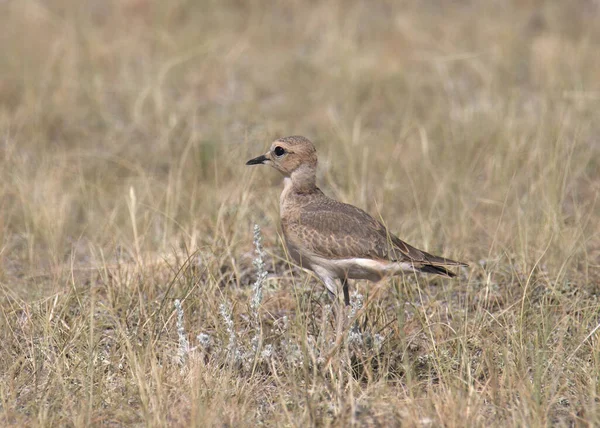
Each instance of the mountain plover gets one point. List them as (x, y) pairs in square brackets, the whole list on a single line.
[(333, 239)]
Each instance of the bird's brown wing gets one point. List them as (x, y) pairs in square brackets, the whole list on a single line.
[(336, 230)]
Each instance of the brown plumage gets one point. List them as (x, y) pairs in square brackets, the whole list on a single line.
[(333, 239)]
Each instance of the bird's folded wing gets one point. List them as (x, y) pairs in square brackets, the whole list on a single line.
[(338, 231)]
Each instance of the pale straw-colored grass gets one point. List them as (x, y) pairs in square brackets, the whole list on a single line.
[(471, 128)]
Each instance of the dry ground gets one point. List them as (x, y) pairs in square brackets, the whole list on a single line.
[(471, 127)]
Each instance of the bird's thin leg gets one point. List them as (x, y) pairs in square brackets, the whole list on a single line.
[(346, 292), (329, 282)]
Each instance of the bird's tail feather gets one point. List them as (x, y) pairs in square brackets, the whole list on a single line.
[(439, 270)]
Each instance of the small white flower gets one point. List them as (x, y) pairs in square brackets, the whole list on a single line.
[(225, 312), (267, 353), (184, 346), (204, 340)]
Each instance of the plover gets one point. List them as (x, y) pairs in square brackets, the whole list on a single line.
[(333, 239)]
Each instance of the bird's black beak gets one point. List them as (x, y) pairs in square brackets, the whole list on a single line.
[(257, 161)]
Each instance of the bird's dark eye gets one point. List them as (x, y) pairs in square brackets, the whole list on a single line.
[(279, 151)]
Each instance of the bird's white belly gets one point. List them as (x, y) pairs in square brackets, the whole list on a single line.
[(362, 268), (351, 268)]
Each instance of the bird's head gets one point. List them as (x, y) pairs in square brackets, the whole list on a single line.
[(288, 155)]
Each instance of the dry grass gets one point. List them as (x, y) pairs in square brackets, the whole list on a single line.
[(471, 127)]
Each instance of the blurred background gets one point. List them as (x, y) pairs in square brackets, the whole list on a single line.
[(425, 111), (471, 127)]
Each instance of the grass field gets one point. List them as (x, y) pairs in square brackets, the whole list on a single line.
[(471, 128)]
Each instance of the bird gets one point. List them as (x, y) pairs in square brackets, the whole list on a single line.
[(335, 240)]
